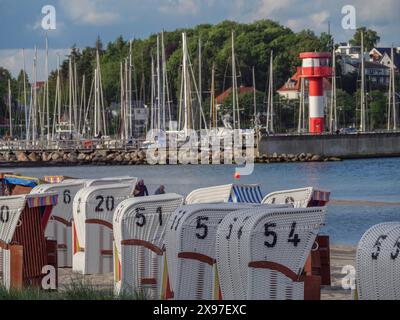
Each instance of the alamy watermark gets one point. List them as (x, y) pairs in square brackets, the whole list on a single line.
[(210, 147), (49, 21)]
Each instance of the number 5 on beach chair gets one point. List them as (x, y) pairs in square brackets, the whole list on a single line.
[(271, 247), (139, 254), (190, 245), (93, 210), (378, 263), (59, 225)]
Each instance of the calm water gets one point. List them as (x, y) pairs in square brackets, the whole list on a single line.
[(372, 180)]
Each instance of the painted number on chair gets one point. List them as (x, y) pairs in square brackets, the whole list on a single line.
[(107, 203), (377, 247), (67, 196), (272, 236), (202, 227), (269, 233), (293, 237), (140, 216), (4, 214)]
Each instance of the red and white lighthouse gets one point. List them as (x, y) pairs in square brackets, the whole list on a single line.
[(315, 68)]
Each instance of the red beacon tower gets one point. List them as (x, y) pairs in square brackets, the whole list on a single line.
[(315, 68)]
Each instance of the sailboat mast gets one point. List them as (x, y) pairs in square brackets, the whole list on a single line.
[(158, 85), (270, 102), (130, 89), (333, 111), (164, 79), (152, 95), (47, 91), (25, 103), (362, 115), (34, 106), (200, 85), (393, 77), (213, 110), (233, 81), (254, 96), (186, 103), (9, 107)]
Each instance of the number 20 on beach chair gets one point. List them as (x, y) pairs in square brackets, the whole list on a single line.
[(93, 210), (139, 251)]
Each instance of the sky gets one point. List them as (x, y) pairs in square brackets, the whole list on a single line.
[(79, 22)]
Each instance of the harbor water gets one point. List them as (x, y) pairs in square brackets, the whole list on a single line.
[(358, 181)]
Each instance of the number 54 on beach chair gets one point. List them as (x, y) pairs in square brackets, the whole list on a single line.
[(263, 256)]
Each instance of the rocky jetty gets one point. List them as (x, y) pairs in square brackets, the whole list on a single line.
[(128, 157)]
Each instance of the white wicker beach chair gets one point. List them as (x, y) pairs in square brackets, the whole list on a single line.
[(59, 226), (190, 245), (378, 263), (301, 198), (93, 210), (266, 252), (10, 210), (22, 222), (250, 193), (139, 231)]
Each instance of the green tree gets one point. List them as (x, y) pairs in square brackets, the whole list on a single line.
[(371, 38)]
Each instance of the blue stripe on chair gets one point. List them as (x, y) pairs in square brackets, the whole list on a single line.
[(253, 196), (237, 195), (249, 199)]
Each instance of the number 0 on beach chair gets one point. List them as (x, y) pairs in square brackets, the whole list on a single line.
[(93, 210), (139, 231), (378, 263), (59, 225), (266, 252), (226, 193)]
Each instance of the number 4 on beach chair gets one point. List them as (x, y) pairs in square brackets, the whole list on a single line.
[(139, 231)]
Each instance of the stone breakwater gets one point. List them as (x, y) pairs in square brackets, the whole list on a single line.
[(121, 157)]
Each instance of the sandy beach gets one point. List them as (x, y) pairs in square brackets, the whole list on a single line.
[(340, 256)]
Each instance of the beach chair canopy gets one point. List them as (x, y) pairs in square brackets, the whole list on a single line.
[(23, 219), (301, 198), (139, 230), (59, 226), (378, 263), (261, 252), (250, 193), (112, 180)]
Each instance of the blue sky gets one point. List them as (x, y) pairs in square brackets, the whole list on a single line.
[(80, 21)]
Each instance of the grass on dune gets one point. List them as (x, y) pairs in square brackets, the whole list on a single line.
[(77, 289)]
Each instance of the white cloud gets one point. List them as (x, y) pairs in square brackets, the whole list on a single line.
[(90, 12), (181, 7)]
